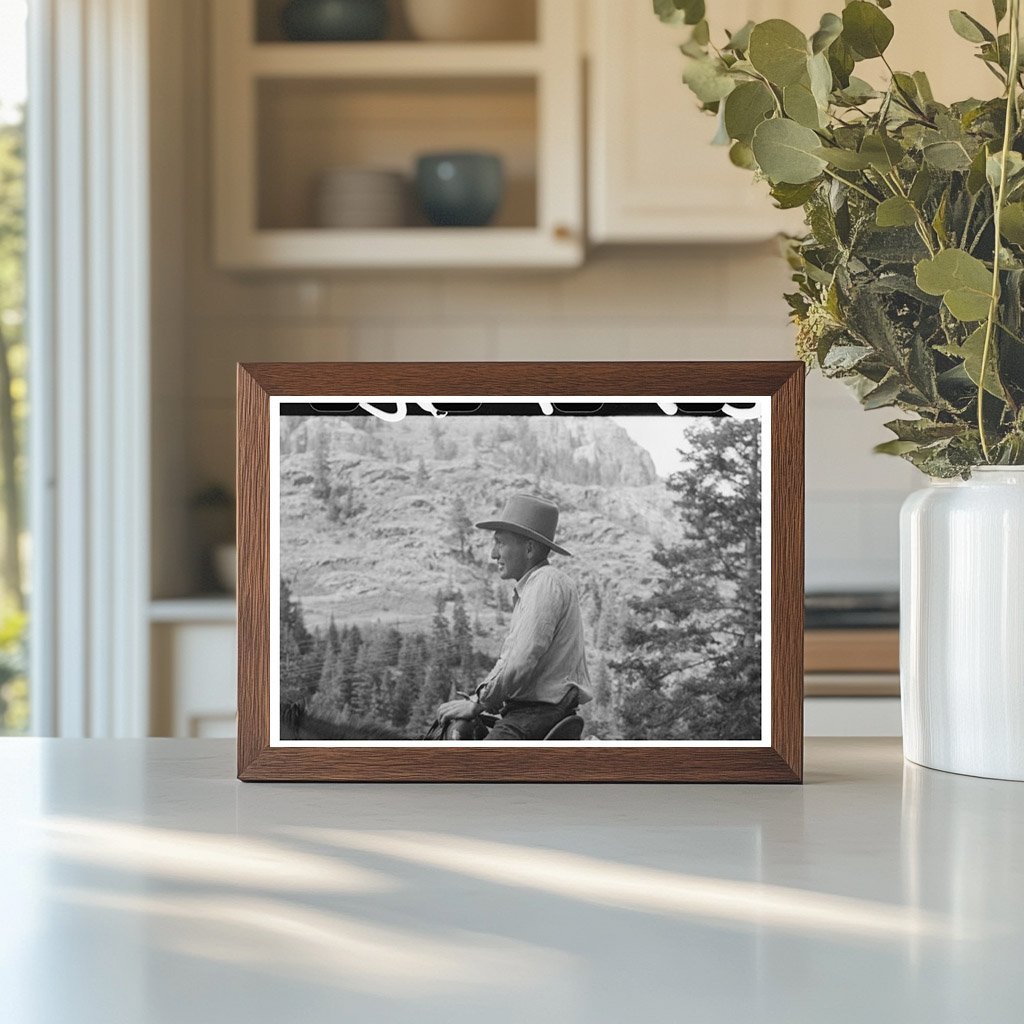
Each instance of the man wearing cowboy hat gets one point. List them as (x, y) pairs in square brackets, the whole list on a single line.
[(541, 673)]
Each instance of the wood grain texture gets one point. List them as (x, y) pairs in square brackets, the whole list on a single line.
[(787, 548), (782, 762), (252, 487)]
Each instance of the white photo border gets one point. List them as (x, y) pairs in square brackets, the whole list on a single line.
[(762, 409)]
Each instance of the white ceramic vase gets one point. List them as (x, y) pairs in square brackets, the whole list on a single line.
[(962, 624)]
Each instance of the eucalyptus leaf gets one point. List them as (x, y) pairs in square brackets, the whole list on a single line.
[(1011, 225), (923, 431), (946, 156), (939, 220), (858, 91), (675, 12), (972, 352), (866, 29), (895, 212), (969, 28), (883, 153), (779, 51), (721, 136), (789, 197), (745, 108), (844, 159), (739, 41), (963, 281), (921, 185), (741, 155), (924, 88), (800, 105), (785, 151), (820, 76), (976, 173), (885, 394), (708, 81), (829, 30), (994, 168), (895, 447)]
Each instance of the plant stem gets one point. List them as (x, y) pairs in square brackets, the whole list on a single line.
[(855, 187), (922, 225), (993, 309)]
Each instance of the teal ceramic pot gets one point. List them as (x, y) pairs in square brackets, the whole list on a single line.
[(460, 189), (334, 20)]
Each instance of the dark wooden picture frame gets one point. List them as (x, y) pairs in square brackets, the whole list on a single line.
[(782, 383)]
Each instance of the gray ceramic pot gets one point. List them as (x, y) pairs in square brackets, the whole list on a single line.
[(460, 189), (334, 20)]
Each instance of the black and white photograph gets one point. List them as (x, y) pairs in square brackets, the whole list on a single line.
[(520, 572)]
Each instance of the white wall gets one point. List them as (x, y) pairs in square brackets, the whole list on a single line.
[(721, 302)]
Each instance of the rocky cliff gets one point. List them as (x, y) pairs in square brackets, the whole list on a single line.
[(376, 517)]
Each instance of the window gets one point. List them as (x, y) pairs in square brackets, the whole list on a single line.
[(14, 551)]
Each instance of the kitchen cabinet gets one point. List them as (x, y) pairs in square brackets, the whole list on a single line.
[(193, 673), (286, 113), (653, 175)]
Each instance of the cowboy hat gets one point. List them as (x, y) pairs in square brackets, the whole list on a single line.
[(529, 517)]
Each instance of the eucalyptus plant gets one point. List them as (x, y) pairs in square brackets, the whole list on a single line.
[(909, 279)]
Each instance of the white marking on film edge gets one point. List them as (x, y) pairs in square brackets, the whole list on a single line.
[(546, 405)]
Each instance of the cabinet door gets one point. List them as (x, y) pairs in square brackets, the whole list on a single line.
[(653, 174), (286, 113)]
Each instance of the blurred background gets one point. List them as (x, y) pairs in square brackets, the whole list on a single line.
[(247, 180)]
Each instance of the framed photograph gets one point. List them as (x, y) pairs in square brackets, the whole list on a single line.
[(514, 572)]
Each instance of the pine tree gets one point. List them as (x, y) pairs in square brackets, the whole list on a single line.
[(412, 663), (693, 664), (462, 642), (334, 692), (296, 644), (439, 683), (461, 525)]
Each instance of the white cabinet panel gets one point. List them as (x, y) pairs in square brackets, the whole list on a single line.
[(653, 174), (193, 673)]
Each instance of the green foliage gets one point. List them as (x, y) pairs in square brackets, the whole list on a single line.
[(691, 657), (904, 290)]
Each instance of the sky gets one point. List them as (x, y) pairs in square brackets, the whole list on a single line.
[(12, 56), (661, 435)]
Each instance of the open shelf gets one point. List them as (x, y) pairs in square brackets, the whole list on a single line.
[(393, 60), (520, 17), (308, 127), (287, 113)]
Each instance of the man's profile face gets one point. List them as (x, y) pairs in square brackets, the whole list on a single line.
[(510, 552)]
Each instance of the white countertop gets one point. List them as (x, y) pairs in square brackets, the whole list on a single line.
[(143, 884)]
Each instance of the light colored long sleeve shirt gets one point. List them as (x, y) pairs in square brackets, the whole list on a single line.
[(543, 654)]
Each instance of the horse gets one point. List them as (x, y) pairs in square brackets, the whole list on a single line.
[(296, 724)]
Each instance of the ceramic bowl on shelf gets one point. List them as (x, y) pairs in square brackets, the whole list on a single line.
[(334, 20), (471, 20), (361, 198), (460, 189)]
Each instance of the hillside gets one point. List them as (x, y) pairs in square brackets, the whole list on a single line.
[(376, 518)]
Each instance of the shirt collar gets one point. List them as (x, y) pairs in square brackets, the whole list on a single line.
[(520, 583)]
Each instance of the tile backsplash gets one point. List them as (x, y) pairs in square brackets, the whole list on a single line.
[(715, 302)]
